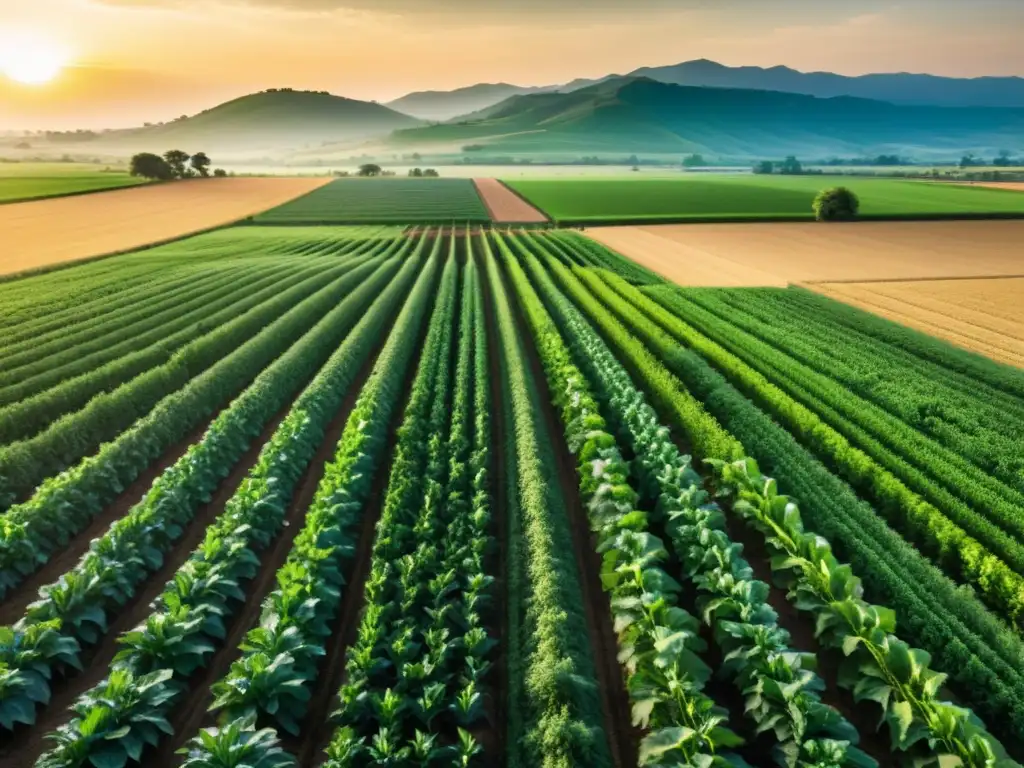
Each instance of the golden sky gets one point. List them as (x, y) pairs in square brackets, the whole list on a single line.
[(135, 60)]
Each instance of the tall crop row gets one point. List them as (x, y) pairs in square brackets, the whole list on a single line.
[(659, 642), (75, 609), (272, 680), (552, 693), (191, 617), (900, 676)]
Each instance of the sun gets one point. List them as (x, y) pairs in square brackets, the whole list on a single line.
[(31, 60)]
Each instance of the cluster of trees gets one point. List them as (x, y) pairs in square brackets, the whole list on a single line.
[(788, 167), (694, 161), (174, 164), (423, 172), (1003, 160)]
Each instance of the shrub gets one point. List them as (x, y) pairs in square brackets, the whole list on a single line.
[(837, 204)]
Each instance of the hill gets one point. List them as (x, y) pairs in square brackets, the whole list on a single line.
[(270, 120), (640, 115)]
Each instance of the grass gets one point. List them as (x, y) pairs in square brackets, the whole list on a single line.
[(29, 181), (356, 201), (755, 197)]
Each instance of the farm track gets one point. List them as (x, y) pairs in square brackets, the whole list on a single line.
[(622, 739), (96, 660)]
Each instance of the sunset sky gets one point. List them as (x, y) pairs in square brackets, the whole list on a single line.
[(135, 60)]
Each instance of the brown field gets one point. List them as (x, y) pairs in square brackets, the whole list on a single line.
[(505, 206), (44, 232), (985, 315), (1016, 186), (773, 254)]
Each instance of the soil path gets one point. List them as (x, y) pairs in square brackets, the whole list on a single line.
[(46, 232), (506, 206)]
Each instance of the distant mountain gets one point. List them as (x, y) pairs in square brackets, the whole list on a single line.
[(899, 88), (634, 115), (444, 105), (271, 120)]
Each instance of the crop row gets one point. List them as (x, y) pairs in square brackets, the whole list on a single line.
[(911, 707), (75, 609), (555, 716), (272, 680), (66, 503), (981, 546), (151, 675)]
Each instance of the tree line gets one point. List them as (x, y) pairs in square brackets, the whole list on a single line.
[(173, 164)]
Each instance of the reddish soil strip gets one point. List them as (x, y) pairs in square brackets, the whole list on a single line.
[(776, 254), (28, 744), (506, 206), (17, 600), (1013, 186), (623, 738), (46, 232)]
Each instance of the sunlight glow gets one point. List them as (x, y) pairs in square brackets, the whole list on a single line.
[(30, 59)]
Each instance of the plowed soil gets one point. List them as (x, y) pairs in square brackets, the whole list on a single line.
[(45, 232), (777, 254), (984, 315), (505, 206)]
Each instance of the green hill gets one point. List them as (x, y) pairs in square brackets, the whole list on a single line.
[(276, 119), (639, 115)]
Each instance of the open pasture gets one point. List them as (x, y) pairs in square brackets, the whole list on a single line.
[(42, 233), (27, 181), (751, 197), (383, 200)]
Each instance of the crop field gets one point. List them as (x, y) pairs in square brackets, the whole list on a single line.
[(41, 233), (985, 315), (355, 496), (27, 181), (754, 197), (375, 200), (780, 253)]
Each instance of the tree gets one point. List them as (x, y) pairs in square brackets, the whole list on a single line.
[(968, 160), (177, 159), (369, 169), (431, 173), (791, 166), (837, 204), (219, 173), (201, 164), (765, 167), (694, 161), (150, 166), (415, 172), (1004, 159)]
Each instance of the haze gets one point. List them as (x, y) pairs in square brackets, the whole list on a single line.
[(132, 61)]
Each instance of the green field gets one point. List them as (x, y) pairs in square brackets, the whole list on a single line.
[(754, 197), (359, 201), (29, 181)]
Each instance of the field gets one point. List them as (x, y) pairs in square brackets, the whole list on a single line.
[(984, 315), (27, 181), (440, 496), (750, 197), (42, 233), (779, 253), (355, 201)]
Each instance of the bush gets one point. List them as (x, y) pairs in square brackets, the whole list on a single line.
[(837, 204)]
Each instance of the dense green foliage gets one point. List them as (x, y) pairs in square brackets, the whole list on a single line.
[(383, 200)]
